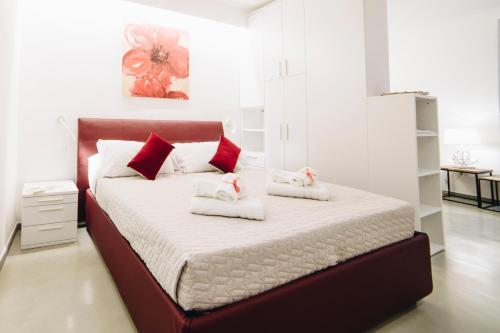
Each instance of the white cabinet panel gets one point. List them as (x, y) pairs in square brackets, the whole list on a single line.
[(275, 150), (49, 214), (295, 106), (50, 200), (271, 17), (48, 234), (294, 51)]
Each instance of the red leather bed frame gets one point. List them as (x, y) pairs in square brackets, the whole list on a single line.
[(349, 297)]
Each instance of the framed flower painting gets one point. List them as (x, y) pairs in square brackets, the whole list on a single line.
[(156, 62)]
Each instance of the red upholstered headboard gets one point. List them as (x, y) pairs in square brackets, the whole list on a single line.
[(91, 130)]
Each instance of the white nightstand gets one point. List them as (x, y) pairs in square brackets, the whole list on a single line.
[(50, 214)]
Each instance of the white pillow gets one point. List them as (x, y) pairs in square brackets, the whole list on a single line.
[(94, 167), (116, 154), (194, 157)]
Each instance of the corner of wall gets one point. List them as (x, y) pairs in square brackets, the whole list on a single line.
[(376, 47)]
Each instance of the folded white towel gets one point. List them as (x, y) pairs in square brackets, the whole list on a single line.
[(251, 209), (315, 192), (229, 188), (304, 177)]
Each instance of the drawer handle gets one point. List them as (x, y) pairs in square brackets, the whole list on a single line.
[(55, 227), (252, 157), (50, 209), (51, 199)]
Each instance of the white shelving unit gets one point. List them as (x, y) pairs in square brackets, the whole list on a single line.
[(253, 136), (403, 136)]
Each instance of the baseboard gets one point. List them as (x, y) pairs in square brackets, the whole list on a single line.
[(467, 196), (5, 252)]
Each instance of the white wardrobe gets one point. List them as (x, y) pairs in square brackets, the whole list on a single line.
[(284, 65), (314, 87)]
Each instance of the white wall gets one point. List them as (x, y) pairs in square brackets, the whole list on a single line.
[(7, 120), (70, 64), (336, 90), (211, 9), (377, 48), (450, 48)]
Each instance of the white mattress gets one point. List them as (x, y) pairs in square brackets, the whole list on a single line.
[(206, 262)]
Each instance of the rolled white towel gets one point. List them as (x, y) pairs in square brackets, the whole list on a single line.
[(228, 189), (315, 192), (205, 188), (214, 189), (251, 209), (238, 184), (304, 177), (282, 176)]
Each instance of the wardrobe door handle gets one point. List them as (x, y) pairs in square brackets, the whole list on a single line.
[(287, 132), (280, 69), (281, 132), (286, 68)]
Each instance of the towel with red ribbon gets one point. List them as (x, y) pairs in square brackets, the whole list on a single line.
[(304, 177), (228, 188)]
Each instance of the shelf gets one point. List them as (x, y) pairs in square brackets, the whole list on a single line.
[(436, 248), (426, 134), (426, 210), (428, 172), (253, 152), (425, 97), (253, 130)]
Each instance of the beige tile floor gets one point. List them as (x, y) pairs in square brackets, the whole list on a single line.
[(68, 289)]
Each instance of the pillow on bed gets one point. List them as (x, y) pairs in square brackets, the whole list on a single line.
[(195, 156), (151, 157), (94, 166), (116, 154), (226, 156)]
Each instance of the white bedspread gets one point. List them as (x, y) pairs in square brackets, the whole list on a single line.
[(204, 262)]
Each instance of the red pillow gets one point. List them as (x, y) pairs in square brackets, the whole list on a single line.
[(226, 157), (151, 157)]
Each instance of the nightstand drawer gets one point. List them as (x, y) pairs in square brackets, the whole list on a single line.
[(50, 200), (49, 214), (48, 234)]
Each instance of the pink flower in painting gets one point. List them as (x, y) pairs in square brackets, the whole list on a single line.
[(156, 58)]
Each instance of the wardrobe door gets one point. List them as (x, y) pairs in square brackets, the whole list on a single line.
[(272, 40), (275, 151), (294, 50), (295, 133)]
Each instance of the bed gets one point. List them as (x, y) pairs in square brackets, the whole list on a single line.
[(344, 295)]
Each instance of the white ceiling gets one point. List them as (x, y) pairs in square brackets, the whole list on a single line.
[(247, 5)]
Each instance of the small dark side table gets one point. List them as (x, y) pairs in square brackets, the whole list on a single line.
[(494, 180), (472, 171)]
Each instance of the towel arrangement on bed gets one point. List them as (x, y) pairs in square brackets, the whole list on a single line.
[(299, 184), (225, 197)]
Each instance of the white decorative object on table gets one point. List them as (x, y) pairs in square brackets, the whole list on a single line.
[(49, 214), (462, 136)]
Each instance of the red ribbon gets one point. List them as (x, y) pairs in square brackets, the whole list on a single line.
[(310, 174), (234, 182)]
